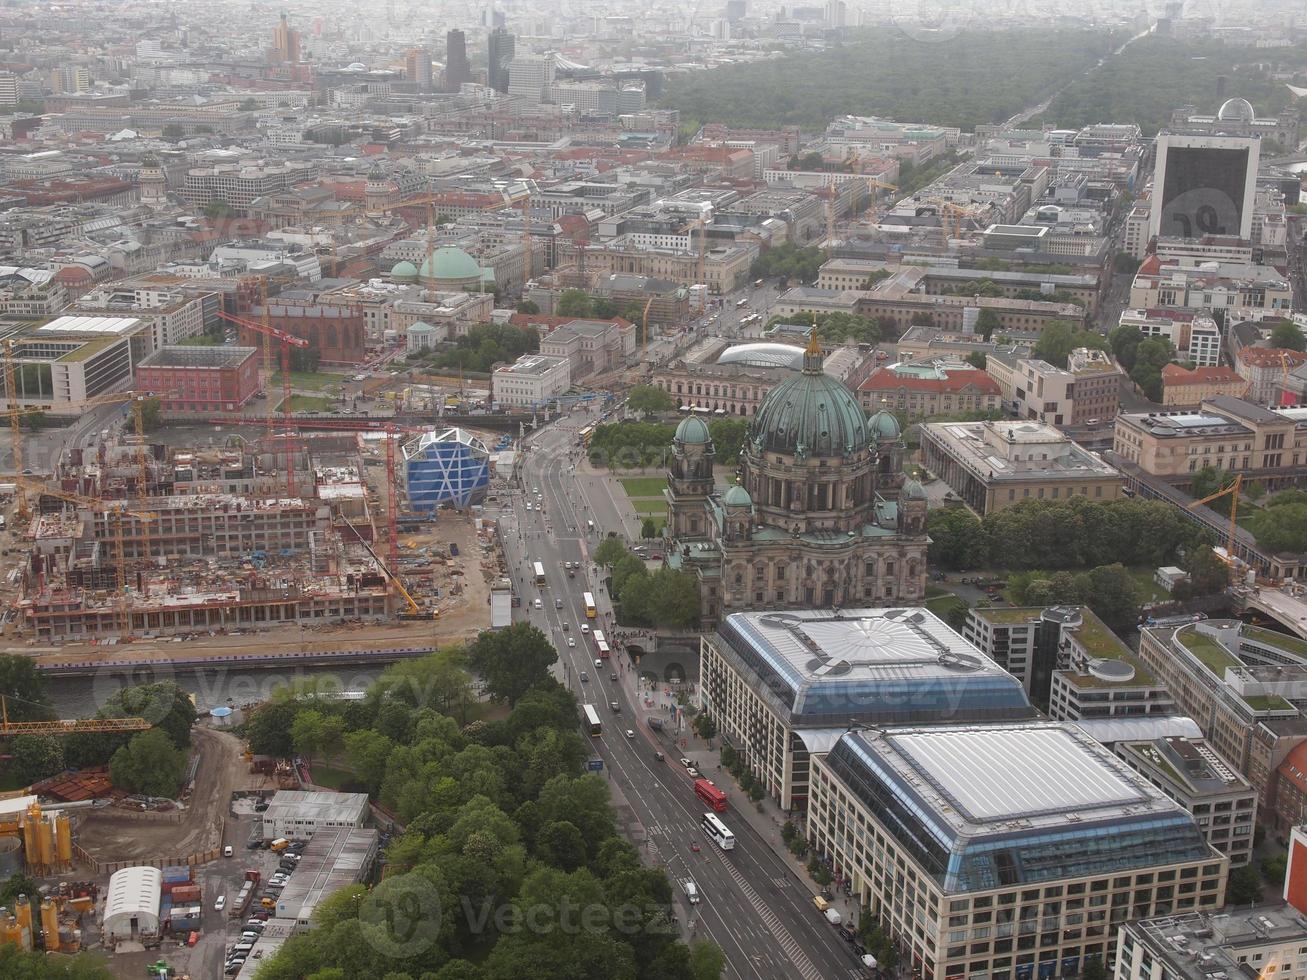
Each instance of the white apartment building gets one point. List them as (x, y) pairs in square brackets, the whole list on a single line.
[(1263, 941), (531, 380), (1194, 335)]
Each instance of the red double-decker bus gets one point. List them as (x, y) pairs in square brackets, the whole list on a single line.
[(710, 795)]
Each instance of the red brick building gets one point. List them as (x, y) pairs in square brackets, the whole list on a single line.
[(337, 333), (200, 379)]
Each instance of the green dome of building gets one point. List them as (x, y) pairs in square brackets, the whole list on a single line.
[(450, 264), (403, 270), (693, 431), (737, 496), (885, 426), (913, 490), (811, 415)]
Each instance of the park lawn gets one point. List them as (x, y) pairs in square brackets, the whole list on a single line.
[(309, 403), (649, 507), (941, 604), (332, 778), (316, 381), (644, 486)]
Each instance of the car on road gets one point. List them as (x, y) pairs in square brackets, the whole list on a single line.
[(598, 662), (567, 627), (536, 491), (585, 628), (558, 603), (613, 678), (691, 891), (539, 604), (694, 846), (227, 851), (220, 904), (571, 641), (585, 678), (687, 763), (360, 377), (630, 733), (692, 772)]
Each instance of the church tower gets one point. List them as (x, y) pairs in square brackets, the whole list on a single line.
[(690, 479), (152, 184)]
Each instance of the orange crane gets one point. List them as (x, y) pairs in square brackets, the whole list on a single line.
[(66, 726), (288, 340), (1233, 491)]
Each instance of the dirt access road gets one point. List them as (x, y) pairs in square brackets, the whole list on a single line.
[(110, 836)]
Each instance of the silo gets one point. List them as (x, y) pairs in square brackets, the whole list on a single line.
[(24, 912), (44, 843), (64, 839), (50, 925)]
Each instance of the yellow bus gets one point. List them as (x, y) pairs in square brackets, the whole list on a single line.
[(589, 600)]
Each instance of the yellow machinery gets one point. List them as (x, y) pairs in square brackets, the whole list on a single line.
[(1233, 491), (48, 849), (50, 925)]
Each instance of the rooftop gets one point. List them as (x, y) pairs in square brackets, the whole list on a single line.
[(1016, 450), (997, 805), (198, 357), (823, 667), (1201, 946), (90, 324)]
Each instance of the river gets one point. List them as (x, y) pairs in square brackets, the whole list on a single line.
[(81, 697)]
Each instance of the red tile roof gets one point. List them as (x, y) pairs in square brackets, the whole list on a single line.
[(1271, 356), (1294, 766), (884, 379), (1174, 374)]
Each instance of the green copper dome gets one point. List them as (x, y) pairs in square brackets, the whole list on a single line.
[(885, 426), (811, 415), (693, 431), (403, 270), (451, 264), (737, 496)]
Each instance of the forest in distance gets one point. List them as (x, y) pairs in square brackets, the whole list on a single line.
[(985, 77)]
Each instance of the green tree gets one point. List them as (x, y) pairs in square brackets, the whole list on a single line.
[(987, 322), (649, 400), (217, 208), (728, 436), (668, 597), (165, 704), (35, 757), (648, 528), (957, 539), (19, 964), (1094, 969), (1059, 338), (148, 764), (610, 551), (1281, 528), (1207, 573), (1244, 886), (1124, 341), (367, 751), (1151, 355), (1124, 264), (573, 302), (978, 359), (268, 730), (791, 261), (307, 733), (511, 661), (23, 689), (1114, 596), (150, 410), (628, 568), (1288, 336), (305, 360), (528, 306)]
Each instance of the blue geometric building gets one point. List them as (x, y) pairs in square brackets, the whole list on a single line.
[(445, 468)]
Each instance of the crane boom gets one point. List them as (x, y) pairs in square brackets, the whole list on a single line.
[(66, 726), (1233, 491)]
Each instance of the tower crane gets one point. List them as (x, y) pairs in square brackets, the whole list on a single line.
[(287, 340), (1233, 491), (66, 726)]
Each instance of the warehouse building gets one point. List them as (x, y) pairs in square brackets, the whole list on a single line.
[(297, 815), (131, 910), (1003, 850), (330, 862)]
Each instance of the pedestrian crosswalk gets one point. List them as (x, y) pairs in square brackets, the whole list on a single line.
[(784, 940)]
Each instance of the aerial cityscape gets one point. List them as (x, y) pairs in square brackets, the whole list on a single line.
[(715, 491)]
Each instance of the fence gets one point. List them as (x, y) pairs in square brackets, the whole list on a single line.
[(82, 856)]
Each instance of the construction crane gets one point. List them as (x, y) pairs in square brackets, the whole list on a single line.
[(701, 276), (66, 726), (287, 340), (1233, 491)]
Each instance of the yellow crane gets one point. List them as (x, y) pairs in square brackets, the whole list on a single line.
[(1233, 491), (66, 726)]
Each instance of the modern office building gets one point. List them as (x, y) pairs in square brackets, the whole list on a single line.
[(501, 47), (1189, 771), (285, 41), (530, 77), (1243, 685), (992, 465), (449, 468), (457, 68), (1086, 392), (1098, 676), (1262, 941), (1007, 850), (417, 68), (783, 686), (1204, 185)]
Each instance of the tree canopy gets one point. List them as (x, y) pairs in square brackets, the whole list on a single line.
[(148, 764), (976, 77), (511, 661), (486, 344), (1058, 339), (631, 445), (1288, 336), (649, 399), (23, 689), (789, 260)]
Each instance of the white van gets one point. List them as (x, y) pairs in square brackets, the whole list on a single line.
[(539, 604), (691, 891)]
